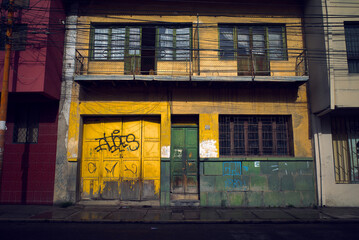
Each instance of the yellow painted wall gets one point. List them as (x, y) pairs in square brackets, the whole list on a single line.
[(208, 103)]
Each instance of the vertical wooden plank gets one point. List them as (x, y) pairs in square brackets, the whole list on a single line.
[(131, 160), (191, 167), (177, 168), (91, 160), (151, 157)]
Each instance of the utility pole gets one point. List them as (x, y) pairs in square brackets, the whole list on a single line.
[(5, 83)]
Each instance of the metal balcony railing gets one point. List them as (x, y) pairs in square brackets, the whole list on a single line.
[(201, 63)]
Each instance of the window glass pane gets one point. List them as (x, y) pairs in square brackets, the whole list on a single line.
[(267, 136), (352, 45), (226, 44), (275, 38), (100, 50), (20, 133), (243, 41), (239, 140), (26, 128), (182, 44), (32, 126), (134, 41), (118, 36), (224, 136), (282, 136), (165, 43), (352, 124), (258, 35), (353, 65), (253, 138), (352, 40)]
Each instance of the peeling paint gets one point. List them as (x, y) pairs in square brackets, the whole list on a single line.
[(208, 149), (165, 151), (72, 148)]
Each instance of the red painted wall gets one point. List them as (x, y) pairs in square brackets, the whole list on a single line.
[(38, 68), (29, 169), (35, 81)]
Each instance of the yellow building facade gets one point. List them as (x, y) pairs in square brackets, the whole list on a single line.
[(191, 110)]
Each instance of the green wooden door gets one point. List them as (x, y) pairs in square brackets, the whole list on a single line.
[(184, 163)]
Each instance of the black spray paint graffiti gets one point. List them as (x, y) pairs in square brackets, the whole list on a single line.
[(112, 169), (92, 167), (117, 142), (113, 143), (134, 170)]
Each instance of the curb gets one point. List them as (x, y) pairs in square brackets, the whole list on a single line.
[(230, 221)]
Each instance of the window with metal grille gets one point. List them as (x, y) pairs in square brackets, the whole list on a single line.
[(174, 43), (26, 129), (255, 40), (352, 44), (119, 43), (345, 137), (108, 43), (255, 136)]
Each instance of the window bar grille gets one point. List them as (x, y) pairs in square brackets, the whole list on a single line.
[(274, 136), (252, 135), (260, 137), (246, 138), (231, 131)]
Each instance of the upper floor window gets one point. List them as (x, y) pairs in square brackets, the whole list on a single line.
[(352, 44), (122, 43), (174, 43), (255, 136), (246, 40), (18, 37), (112, 43)]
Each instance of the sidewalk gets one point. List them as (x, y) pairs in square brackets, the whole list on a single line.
[(146, 214)]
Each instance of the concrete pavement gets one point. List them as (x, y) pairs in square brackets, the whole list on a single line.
[(147, 214)]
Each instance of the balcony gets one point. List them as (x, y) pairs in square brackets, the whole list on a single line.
[(202, 65)]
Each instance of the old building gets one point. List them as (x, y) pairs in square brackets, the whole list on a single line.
[(185, 103), (332, 30), (28, 171)]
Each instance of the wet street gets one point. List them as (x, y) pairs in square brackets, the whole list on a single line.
[(122, 231)]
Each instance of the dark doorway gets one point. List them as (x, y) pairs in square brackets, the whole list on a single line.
[(148, 52)]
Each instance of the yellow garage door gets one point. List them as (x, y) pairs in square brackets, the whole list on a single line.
[(121, 159)]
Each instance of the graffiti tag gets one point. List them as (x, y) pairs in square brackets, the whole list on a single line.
[(235, 183), (91, 167), (232, 168), (111, 170), (133, 171), (117, 142)]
